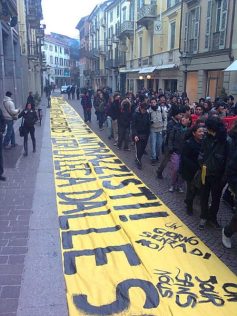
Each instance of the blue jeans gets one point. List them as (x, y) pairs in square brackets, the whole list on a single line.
[(156, 142), (10, 135), (109, 126)]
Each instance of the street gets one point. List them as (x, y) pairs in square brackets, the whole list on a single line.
[(31, 273)]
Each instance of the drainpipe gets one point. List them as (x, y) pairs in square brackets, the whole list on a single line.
[(181, 25), (232, 31)]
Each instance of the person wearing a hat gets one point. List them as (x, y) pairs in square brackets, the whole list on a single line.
[(176, 115), (140, 131)]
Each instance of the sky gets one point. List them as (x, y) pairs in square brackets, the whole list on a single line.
[(62, 16)]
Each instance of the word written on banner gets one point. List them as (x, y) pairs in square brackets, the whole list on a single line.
[(124, 252)]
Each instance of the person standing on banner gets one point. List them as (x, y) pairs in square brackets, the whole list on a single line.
[(10, 114), (231, 173), (212, 159), (30, 117), (2, 130), (140, 131)]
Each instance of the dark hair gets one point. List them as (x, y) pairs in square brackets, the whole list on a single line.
[(216, 125), (153, 98), (161, 96), (201, 99), (8, 94), (195, 127), (231, 97), (143, 105)]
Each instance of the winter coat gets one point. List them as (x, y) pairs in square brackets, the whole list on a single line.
[(170, 125), (8, 109), (177, 138), (2, 123), (141, 124), (86, 102), (214, 155), (189, 159), (114, 110), (158, 118), (231, 169), (125, 115), (30, 117)]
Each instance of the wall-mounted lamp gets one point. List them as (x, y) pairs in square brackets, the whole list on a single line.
[(140, 77), (148, 77)]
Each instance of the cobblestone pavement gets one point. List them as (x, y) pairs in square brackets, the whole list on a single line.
[(210, 236), (16, 195)]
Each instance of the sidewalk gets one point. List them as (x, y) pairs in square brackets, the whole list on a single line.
[(31, 281)]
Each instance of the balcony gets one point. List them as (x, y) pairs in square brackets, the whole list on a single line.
[(34, 13), (127, 29), (147, 14), (33, 51), (100, 73)]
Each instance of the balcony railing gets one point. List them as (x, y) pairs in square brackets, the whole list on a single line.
[(127, 29), (146, 14)]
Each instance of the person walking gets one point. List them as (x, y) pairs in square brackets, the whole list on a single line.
[(2, 130), (73, 90), (231, 173), (140, 131), (10, 114), (78, 93), (124, 122), (29, 117), (101, 109), (114, 114), (31, 99), (158, 118), (212, 159), (189, 165), (87, 105)]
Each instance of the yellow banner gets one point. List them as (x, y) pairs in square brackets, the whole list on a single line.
[(124, 252)]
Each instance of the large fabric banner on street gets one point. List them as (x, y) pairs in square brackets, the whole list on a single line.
[(123, 250)]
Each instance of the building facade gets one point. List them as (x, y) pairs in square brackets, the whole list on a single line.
[(175, 45), (18, 31), (57, 58), (207, 34)]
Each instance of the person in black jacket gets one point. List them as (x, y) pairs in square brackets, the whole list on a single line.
[(212, 159), (124, 122), (29, 117), (31, 100), (2, 130), (114, 114), (140, 131), (231, 173), (189, 164)]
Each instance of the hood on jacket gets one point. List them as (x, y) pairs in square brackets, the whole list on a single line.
[(126, 104), (7, 99)]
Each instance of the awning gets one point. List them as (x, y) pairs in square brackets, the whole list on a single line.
[(147, 70), (128, 70), (232, 67), (166, 66)]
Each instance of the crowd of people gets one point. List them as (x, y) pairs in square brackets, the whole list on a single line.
[(192, 139)]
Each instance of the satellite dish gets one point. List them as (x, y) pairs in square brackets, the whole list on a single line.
[(123, 48)]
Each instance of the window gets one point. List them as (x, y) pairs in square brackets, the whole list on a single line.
[(45, 46), (51, 48), (140, 3), (51, 59), (61, 61), (60, 50), (171, 3), (111, 16), (208, 24), (221, 21), (124, 14), (56, 48), (117, 11), (193, 30), (56, 60), (140, 47), (172, 34)]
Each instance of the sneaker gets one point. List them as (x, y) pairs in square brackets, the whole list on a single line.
[(25, 154), (119, 148), (2, 178), (159, 175), (115, 144), (215, 224), (127, 149), (202, 224), (139, 164), (171, 189), (180, 190), (226, 241)]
